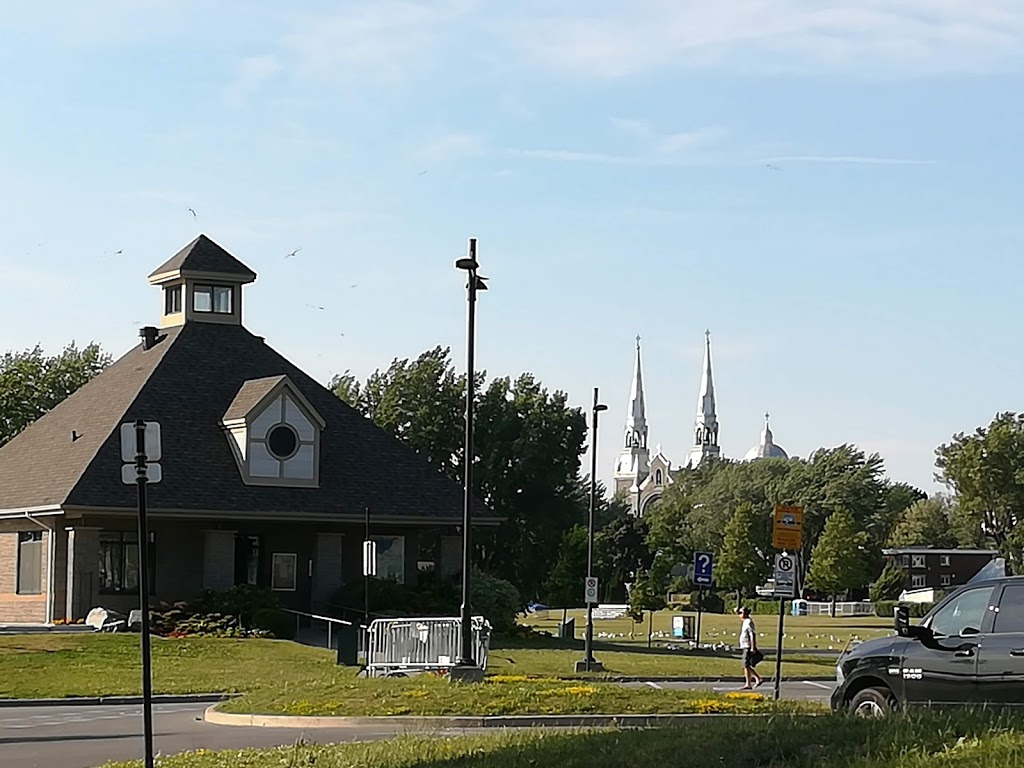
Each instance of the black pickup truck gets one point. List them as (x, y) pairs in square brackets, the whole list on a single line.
[(968, 650)]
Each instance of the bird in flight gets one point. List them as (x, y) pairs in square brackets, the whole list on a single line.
[(289, 255), (421, 173), (313, 306), (354, 285), (772, 167), (190, 210)]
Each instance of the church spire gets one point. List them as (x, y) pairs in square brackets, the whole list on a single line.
[(705, 441), (633, 464)]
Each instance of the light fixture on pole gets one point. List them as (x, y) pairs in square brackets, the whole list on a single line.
[(474, 283), (589, 664)]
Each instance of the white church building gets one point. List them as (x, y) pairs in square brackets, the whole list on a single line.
[(642, 477)]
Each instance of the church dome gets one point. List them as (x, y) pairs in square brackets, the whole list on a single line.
[(766, 449)]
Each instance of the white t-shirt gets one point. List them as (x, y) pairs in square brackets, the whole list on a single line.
[(747, 634)]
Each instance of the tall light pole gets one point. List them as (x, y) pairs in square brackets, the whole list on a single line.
[(474, 283), (589, 663)]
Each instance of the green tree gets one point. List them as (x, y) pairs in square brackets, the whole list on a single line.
[(347, 388), (889, 584), (896, 499), (925, 524), (986, 471), (32, 384), (841, 560), (620, 552), (564, 585), (741, 563)]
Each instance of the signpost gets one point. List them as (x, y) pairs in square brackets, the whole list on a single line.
[(141, 452), (787, 535), (703, 576), (590, 590)]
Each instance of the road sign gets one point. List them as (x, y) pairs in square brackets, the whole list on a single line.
[(130, 474), (787, 532), (703, 568), (128, 442), (785, 575), (369, 558), (590, 589)]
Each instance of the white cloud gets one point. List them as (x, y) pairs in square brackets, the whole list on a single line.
[(618, 38)]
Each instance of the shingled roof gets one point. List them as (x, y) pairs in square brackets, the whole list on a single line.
[(204, 255), (187, 382)]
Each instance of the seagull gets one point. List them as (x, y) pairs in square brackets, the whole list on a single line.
[(313, 306), (354, 285), (772, 167), (421, 173), (289, 255), (190, 210)]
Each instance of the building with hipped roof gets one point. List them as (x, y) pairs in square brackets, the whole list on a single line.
[(267, 475)]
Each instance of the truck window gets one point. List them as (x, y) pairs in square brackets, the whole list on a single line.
[(964, 612), (1011, 610)]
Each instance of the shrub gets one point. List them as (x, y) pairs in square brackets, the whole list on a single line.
[(275, 621), (709, 602), (496, 599), (243, 600), (885, 608)]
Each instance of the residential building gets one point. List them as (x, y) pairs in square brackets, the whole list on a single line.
[(931, 568)]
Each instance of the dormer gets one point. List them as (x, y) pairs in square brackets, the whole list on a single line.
[(202, 283), (274, 434)]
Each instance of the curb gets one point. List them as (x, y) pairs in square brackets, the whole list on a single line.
[(89, 701), (216, 717)]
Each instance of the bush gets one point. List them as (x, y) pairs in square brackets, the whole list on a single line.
[(496, 599), (275, 621), (243, 600), (885, 608), (709, 602), (768, 607)]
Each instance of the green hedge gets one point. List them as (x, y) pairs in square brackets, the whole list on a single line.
[(885, 608)]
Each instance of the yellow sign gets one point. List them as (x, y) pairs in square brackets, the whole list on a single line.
[(787, 533)]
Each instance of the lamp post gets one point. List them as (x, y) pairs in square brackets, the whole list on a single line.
[(589, 664), (474, 283)]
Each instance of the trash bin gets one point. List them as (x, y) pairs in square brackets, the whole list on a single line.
[(348, 645), (799, 608), (567, 630)]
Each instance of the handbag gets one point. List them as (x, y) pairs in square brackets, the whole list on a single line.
[(756, 657)]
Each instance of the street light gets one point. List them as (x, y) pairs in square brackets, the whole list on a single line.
[(589, 664), (475, 283)]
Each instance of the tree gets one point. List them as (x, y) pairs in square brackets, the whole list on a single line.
[(527, 446), (32, 384), (621, 552), (840, 560), (741, 561), (897, 498), (564, 585), (986, 471), (889, 584), (925, 524)]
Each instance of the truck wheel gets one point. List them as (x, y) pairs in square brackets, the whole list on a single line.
[(873, 702)]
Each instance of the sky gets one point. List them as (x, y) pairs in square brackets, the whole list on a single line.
[(832, 188)]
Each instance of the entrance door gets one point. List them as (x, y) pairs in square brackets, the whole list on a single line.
[(1001, 656), (327, 576), (943, 671)]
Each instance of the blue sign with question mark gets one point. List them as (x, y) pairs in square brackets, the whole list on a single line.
[(703, 568)]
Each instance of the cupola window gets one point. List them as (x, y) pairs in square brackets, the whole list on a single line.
[(172, 300), (212, 298)]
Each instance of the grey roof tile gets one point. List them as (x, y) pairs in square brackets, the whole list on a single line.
[(204, 255)]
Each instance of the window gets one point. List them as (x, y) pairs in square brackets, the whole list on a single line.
[(284, 577), (658, 477), (964, 614), (918, 582), (944, 561), (119, 562), (917, 561), (30, 562), (212, 298), (390, 557), (946, 579), (1011, 609), (172, 300)]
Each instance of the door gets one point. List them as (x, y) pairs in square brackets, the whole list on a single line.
[(1001, 655), (943, 670), (327, 575)]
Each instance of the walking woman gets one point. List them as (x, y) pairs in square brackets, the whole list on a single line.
[(751, 655)]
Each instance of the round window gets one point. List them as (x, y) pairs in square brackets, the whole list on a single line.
[(282, 442)]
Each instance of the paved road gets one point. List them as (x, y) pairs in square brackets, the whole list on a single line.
[(87, 736)]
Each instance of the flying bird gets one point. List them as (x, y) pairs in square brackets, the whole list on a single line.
[(772, 167), (354, 285), (313, 306), (421, 173), (289, 255), (190, 210)]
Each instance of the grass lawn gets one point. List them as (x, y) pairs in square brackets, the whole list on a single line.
[(806, 633), (921, 741)]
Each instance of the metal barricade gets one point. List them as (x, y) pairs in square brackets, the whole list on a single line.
[(399, 647)]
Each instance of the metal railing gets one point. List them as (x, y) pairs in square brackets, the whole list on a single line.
[(408, 646), (330, 620)]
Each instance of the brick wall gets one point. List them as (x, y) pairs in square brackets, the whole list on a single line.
[(15, 608)]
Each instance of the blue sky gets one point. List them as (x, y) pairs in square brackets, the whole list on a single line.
[(833, 188)]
